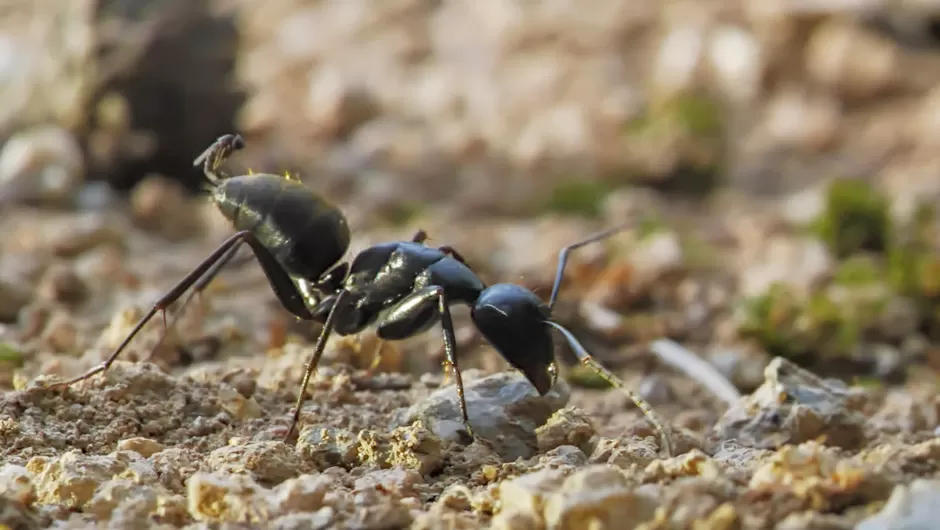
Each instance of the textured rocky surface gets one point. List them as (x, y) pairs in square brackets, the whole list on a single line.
[(774, 169)]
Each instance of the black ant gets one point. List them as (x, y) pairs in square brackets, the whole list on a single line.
[(402, 287)]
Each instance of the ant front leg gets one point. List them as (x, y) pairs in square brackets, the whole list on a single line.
[(414, 314)]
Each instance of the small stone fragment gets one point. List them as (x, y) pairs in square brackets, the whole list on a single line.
[(524, 497), (83, 234), (415, 447), (268, 462), (504, 409), (327, 446), (372, 450), (858, 63), (236, 404), (15, 515), (143, 446), (514, 520), (117, 492), (563, 456), (61, 284), (911, 507), (691, 464), (812, 473), (567, 426), (174, 466), (13, 297), (598, 497), (374, 510), (42, 165), (794, 405), (398, 483), (318, 520), (629, 453), (16, 483), (304, 493), (160, 204), (440, 517), (61, 333), (456, 497), (72, 479), (220, 497)]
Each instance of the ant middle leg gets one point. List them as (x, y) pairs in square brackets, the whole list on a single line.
[(414, 314)]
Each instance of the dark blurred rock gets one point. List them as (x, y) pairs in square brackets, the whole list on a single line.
[(161, 205), (41, 165), (144, 86)]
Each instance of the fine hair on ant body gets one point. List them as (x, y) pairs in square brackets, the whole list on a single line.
[(401, 288)]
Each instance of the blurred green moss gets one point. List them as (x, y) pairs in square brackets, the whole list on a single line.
[(680, 139), (802, 328), (878, 262), (578, 196), (695, 114), (402, 212), (859, 270), (584, 377), (698, 114), (10, 355), (855, 218), (650, 225), (768, 319)]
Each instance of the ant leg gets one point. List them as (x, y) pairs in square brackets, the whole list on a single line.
[(198, 287), (212, 158), (376, 357), (312, 363), (171, 296), (420, 236), (614, 381), (412, 315), (447, 249), (563, 258)]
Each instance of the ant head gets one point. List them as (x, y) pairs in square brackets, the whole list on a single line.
[(513, 320)]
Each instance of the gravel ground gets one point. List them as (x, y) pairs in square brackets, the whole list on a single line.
[(774, 169), (190, 434)]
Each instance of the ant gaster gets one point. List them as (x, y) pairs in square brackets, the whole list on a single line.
[(402, 288)]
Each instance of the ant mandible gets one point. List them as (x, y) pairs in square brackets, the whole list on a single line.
[(402, 288)]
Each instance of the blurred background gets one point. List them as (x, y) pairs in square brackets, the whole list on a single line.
[(776, 161)]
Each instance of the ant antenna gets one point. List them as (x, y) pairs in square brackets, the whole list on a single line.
[(212, 158), (563, 258), (588, 360)]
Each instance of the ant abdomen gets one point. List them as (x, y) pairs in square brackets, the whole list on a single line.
[(306, 234)]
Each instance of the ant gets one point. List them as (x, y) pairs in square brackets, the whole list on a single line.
[(402, 288)]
